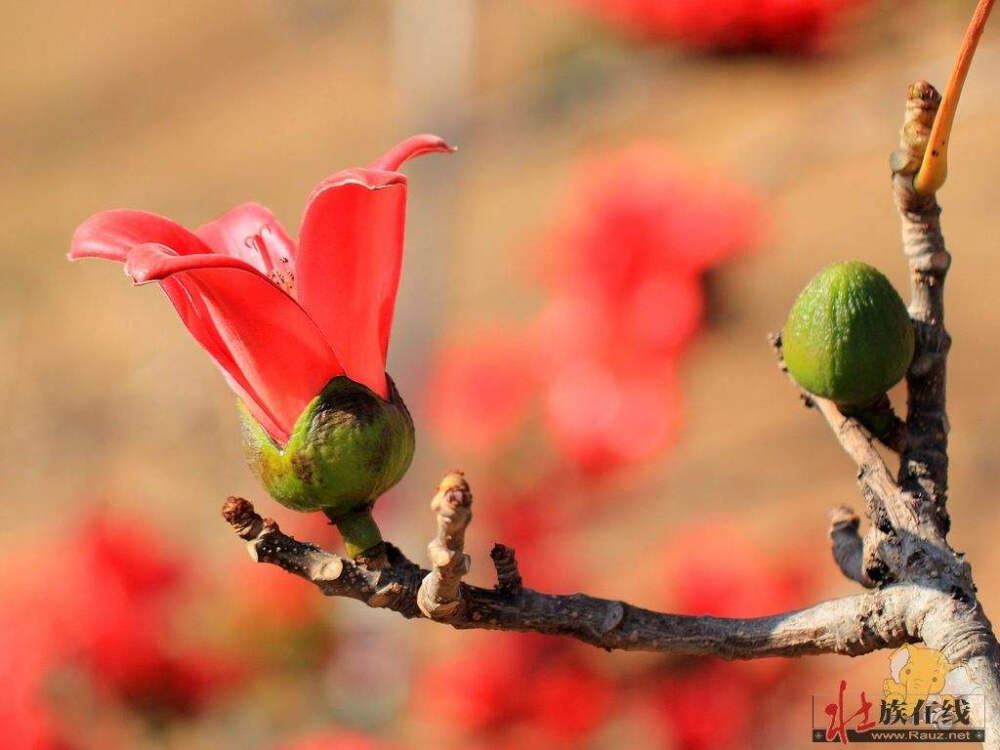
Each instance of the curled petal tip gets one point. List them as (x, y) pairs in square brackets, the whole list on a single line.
[(143, 261), (439, 144), (415, 145), (153, 262), (934, 167), (135, 276), (112, 235)]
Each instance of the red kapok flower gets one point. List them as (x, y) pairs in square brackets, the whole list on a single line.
[(27, 653), (508, 687), (301, 332), (479, 390), (128, 645), (568, 700), (483, 684), (715, 568), (280, 319), (113, 618), (641, 214), (336, 740), (783, 26), (603, 417), (639, 229), (708, 708)]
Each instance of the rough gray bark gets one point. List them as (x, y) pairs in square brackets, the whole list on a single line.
[(920, 589), (853, 625)]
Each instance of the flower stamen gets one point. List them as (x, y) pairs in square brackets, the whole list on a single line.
[(280, 274)]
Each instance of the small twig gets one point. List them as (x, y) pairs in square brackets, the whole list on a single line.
[(848, 548), (875, 478), (439, 596), (879, 551), (508, 574)]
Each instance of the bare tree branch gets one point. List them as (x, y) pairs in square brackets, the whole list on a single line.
[(878, 485), (853, 625)]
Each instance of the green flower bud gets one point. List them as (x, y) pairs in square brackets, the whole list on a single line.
[(347, 448)]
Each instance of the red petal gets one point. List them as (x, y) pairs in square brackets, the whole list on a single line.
[(198, 322), (415, 145), (251, 233), (154, 262), (265, 343), (350, 251), (111, 234)]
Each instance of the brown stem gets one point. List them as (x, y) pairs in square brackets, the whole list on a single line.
[(853, 625)]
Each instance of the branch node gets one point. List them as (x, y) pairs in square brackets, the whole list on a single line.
[(613, 617)]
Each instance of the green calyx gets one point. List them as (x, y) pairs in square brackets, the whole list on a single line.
[(347, 448), (848, 337)]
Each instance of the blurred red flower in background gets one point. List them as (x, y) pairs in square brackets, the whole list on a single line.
[(639, 228), (26, 659), (474, 689), (479, 391), (530, 521), (782, 26), (715, 567), (503, 689), (642, 215), (625, 260), (110, 616), (338, 740), (116, 616), (509, 684), (602, 418), (567, 699), (708, 707)]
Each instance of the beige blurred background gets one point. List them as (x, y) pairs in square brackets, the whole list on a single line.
[(187, 108)]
